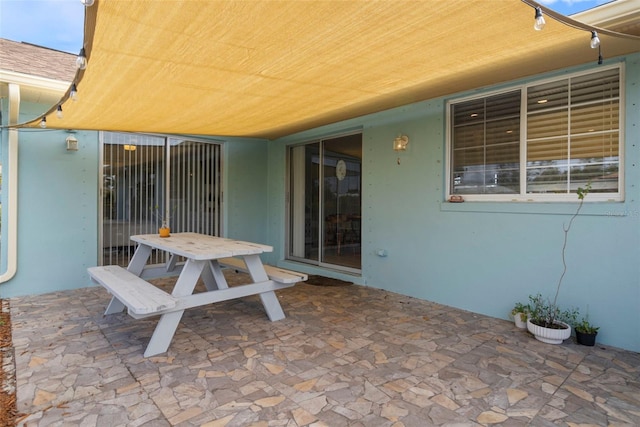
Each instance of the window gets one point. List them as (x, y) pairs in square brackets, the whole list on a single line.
[(539, 142)]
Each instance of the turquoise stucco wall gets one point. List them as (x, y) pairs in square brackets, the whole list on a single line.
[(245, 190), (58, 206), (57, 211), (484, 257)]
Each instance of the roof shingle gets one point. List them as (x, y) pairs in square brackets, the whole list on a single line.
[(21, 57)]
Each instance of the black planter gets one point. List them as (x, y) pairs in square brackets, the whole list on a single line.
[(586, 339)]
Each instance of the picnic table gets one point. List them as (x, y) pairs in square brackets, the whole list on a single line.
[(204, 256)]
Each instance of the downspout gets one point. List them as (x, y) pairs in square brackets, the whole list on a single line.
[(12, 199)]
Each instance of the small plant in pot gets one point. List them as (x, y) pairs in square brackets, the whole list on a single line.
[(547, 322), (520, 313), (163, 230), (586, 332)]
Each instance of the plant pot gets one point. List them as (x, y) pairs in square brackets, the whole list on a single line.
[(522, 324), (164, 231), (585, 338), (549, 335)]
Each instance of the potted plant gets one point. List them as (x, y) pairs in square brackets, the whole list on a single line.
[(164, 230), (520, 312), (547, 322), (586, 332)]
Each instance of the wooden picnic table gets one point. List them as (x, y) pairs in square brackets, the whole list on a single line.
[(204, 257)]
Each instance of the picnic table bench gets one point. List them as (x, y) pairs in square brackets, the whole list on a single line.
[(205, 255)]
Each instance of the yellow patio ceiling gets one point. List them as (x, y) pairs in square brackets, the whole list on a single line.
[(272, 68)]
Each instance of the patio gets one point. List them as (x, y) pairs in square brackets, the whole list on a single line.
[(344, 355)]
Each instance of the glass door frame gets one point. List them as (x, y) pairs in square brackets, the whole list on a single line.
[(168, 209), (319, 260)]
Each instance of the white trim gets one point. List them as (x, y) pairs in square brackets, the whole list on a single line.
[(36, 82), (12, 199), (613, 14)]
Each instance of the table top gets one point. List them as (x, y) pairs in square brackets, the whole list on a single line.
[(201, 246)]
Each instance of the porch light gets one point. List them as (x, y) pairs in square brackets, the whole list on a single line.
[(128, 147), (74, 92), (539, 20), (400, 143), (59, 113), (43, 122), (595, 40), (72, 143), (81, 60)]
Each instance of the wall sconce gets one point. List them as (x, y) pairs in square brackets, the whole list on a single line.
[(400, 143), (72, 143)]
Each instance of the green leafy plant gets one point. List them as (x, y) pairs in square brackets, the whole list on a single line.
[(522, 310), (585, 327), (546, 313)]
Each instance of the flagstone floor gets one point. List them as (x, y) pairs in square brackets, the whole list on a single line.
[(344, 356)]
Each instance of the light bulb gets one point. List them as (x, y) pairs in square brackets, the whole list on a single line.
[(87, 3), (59, 112), (81, 60), (595, 40), (74, 92), (43, 123), (540, 22)]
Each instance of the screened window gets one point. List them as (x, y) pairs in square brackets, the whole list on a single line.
[(541, 141)]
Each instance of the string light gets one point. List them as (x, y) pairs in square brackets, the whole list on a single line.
[(595, 40), (599, 55), (81, 60), (43, 122), (540, 22), (59, 112), (74, 92)]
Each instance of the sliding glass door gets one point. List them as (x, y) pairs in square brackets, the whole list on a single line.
[(148, 180), (325, 183)]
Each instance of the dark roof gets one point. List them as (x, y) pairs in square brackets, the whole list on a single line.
[(36, 60)]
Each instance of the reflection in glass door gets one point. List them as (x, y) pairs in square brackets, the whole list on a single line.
[(325, 202), (148, 180)]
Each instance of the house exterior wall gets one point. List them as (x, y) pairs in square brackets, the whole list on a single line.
[(485, 256), (481, 257), (57, 210), (245, 195), (58, 205)]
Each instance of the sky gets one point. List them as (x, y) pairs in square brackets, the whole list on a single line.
[(59, 24)]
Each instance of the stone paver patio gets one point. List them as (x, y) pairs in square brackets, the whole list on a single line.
[(344, 356)]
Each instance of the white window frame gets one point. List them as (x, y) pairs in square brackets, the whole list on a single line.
[(523, 196)]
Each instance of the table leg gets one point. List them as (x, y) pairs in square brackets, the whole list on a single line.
[(269, 299), (139, 259), (136, 265), (163, 334), (168, 323), (213, 277)]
